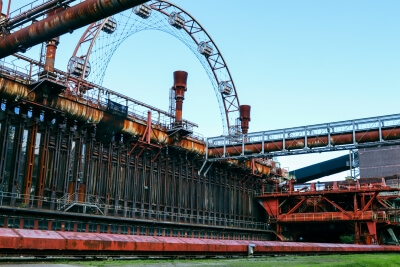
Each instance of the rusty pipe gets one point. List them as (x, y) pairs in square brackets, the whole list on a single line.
[(312, 142), (66, 21), (35, 12), (51, 47), (180, 81)]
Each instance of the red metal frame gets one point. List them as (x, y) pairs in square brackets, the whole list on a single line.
[(362, 203)]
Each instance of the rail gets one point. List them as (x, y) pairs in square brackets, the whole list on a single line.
[(86, 201), (65, 204), (333, 216)]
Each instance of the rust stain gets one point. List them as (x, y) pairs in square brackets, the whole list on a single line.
[(12, 89)]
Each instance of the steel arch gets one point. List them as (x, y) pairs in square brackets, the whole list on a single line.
[(206, 48)]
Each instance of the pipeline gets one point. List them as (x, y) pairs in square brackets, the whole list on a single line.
[(360, 137), (66, 21), (35, 12)]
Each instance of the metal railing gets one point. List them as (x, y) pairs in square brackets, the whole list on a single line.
[(29, 71), (68, 201)]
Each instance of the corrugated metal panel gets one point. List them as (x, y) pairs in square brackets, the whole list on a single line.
[(379, 161)]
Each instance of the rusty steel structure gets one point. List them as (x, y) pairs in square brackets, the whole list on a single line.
[(88, 169), (365, 209), (93, 152), (63, 22), (343, 135)]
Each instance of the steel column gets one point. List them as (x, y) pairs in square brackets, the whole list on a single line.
[(30, 161), (44, 150), (17, 154), (56, 163), (5, 125)]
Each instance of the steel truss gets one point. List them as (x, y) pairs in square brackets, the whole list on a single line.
[(343, 135), (365, 208)]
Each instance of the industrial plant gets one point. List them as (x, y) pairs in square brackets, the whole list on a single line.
[(88, 171)]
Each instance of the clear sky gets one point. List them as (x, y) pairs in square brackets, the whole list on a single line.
[(295, 62)]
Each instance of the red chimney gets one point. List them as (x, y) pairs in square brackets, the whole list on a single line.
[(244, 118), (180, 79)]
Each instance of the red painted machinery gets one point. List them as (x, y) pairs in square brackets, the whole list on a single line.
[(364, 211)]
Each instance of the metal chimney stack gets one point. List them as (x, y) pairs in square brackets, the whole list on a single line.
[(180, 80), (51, 46), (244, 118)]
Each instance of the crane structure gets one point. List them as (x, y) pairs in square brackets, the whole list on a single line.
[(80, 162)]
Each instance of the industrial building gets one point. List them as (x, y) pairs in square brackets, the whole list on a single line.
[(93, 171)]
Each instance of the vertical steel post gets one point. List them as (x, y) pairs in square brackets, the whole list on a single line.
[(166, 184), (151, 188), (283, 140), (179, 190), (108, 178), (198, 197), (44, 150), (142, 179), (78, 176), (174, 192), (135, 183), (56, 174), (88, 177), (186, 188), (30, 161), (305, 138), (127, 183), (192, 191), (158, 187), (68, 163), (16, 159), (3, 156), (117, 181)]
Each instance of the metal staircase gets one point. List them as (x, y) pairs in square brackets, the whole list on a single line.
[(68, 201)]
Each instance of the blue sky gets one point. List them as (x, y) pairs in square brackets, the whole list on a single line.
[(295, 62)]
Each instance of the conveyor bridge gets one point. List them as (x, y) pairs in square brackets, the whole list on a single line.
[(343, 135)]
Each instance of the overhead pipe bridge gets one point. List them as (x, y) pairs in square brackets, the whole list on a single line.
[(344, 135)]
